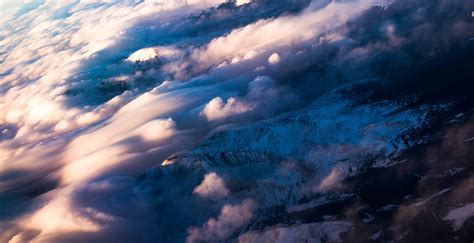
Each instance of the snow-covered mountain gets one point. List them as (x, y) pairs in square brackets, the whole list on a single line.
[(298, 161)]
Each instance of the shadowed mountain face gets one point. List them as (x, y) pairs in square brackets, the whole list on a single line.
[(237, 121)]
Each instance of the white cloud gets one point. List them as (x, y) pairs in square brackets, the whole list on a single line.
[(157, 129), (212, 187), (261, 91), (232, 217), (58, 215), (216, 108), (274, 58), (281, 33)]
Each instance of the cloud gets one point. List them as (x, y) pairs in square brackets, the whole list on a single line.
[(261, 92), (331, 181), (232, 217), (157, 129), (212, 187), (57, 215), (216, 108), (94, 90), (282, 32), (94, 140), (274, 58)]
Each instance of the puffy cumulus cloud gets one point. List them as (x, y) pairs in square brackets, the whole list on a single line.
[(274, 58), (261, 92), (231, 218), (216, 108), (212, 187)]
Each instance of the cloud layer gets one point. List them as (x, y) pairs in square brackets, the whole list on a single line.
[(93, 94)]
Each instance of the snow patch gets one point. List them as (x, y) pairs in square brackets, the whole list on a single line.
[(242, 2), (375, 236), (155, 53), (459, 215), (315, 232)]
